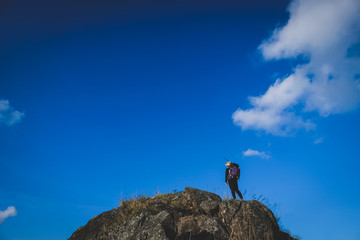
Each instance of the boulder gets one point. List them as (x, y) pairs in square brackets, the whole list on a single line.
[(192, 214)]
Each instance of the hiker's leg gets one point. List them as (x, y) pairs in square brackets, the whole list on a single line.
[(232, 188), (233, 193), (237, 190), (240, 195)]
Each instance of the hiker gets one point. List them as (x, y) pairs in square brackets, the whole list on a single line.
[(232, 175)]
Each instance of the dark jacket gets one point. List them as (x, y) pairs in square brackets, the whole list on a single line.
[(228, 169)]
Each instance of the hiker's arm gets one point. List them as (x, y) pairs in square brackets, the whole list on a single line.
[(226, 175)]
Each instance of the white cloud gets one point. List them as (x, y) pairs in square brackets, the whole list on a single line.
[(327, 33), (8, 115), (9, 212), (318, 140), (255, 153)]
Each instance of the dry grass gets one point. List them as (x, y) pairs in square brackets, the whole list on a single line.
[(132, 206)]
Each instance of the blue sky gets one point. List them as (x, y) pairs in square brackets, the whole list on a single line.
[(101, 101)]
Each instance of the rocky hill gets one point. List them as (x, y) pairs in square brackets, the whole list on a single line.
[(192, 214)]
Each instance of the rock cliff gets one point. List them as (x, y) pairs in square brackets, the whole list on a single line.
[(192, 214)]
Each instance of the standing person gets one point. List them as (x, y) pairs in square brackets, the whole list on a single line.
[(232, 175)]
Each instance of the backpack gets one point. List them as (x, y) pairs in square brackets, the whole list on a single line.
[(234, 172)]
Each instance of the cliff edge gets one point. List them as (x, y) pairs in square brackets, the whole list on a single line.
[(192, 214)]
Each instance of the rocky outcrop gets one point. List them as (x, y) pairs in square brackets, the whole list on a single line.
[(192, 214)]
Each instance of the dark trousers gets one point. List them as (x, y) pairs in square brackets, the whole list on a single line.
[(233, 184)]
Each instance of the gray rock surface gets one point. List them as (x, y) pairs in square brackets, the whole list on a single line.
[(192, 214)]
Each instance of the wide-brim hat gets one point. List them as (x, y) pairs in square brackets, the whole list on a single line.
[(228, 164)]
